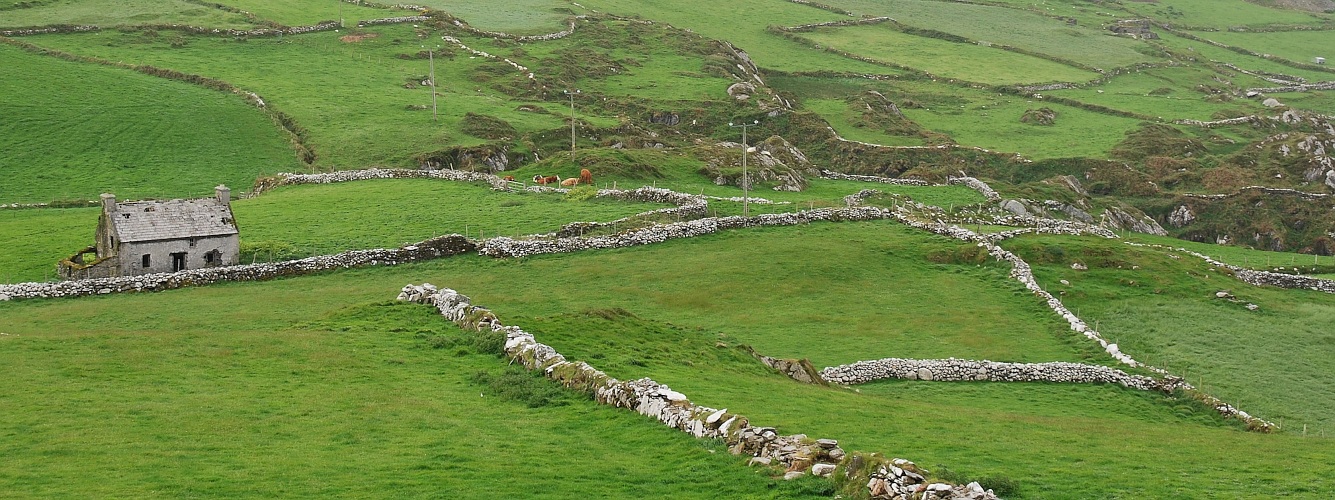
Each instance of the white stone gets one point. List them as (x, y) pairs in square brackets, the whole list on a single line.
[(789, 476), (822, 470)]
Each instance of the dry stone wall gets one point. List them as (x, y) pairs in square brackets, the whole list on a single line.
[(443, 246), (797, 453), (956, 370)]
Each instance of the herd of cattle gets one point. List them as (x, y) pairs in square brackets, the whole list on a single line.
[(585, 177)]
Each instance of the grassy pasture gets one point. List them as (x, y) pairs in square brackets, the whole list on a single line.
[(1299, 46), (1218, 14), (75, 130), (300, 221), (947, 59), (312, 397), (350, 96), (1236, 255), (1269, 362), (1250, 63), (1168, 92), (108, 13), (336, 330), (1014, 27), (843, 120), (737, 23), (994, 123), (306, 13), (519, 17)]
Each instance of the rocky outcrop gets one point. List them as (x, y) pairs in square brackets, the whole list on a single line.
[(1120, 219), (977, 185), (1181, 216)]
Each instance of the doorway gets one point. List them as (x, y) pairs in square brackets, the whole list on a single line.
[(178, 261)]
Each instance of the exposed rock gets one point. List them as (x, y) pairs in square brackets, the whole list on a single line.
[(822, 470), (1015, 207), (1118, 218), (1181, 216), (1079, 267), (789, 476), (1040, 116), (1271, 103)]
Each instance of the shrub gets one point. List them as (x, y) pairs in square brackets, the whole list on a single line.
[(518, 384), (581, 193)]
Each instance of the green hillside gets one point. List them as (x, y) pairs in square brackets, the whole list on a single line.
[(1176, 123)]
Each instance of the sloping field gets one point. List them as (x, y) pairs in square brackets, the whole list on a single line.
[(334, 364), (1219, 14), (1299, 46), (120, 12), (1026, 30), (732, 21), (304, 397), (518, 17), (1172, 93), (1270, 361), (349, 95), (74, 130), (946, 59), (309, 13)]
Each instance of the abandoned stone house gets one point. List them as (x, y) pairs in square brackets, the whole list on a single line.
[(157, 237)]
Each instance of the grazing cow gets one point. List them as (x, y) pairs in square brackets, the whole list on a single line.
[(545, 180), (509, 178), (569, 182), (585, 176)]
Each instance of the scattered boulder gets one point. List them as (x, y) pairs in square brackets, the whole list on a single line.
[(1181, 216), (1271, 103)]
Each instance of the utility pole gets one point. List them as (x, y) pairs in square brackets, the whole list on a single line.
[(746, 198), (571, 95), (431, 56)]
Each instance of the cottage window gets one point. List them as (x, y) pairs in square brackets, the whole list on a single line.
[(146, 260), (192, 243)]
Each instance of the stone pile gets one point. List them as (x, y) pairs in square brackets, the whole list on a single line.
[(443, 246), (956, 370)]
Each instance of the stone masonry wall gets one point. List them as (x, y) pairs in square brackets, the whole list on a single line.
[(955, 370), (797, 453)]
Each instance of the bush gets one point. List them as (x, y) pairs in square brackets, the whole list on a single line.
[(581, 193), (518, 384)]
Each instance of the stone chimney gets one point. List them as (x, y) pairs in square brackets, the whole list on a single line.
[(108, 203), (224, 194)]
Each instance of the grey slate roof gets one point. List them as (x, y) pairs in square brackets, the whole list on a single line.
[(170, 220)]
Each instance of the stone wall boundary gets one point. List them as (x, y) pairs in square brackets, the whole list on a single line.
[(443, 246), (1253, 277), (796, 453), (960, 370)]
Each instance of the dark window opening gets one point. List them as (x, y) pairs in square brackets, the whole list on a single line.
[(213, 258), (178, 261), (146, 260), (192, 243)]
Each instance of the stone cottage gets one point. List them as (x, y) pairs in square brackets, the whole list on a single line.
[(159, 236)]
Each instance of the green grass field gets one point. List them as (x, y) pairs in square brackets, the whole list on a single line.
[(109, 13), (323, 386), (1054, 441), (945, 59), (309, 13), (1298, 46), (1218, 14), (1166, 313), (1173, 93), (519, 17), (1017, 28), (92, 129)]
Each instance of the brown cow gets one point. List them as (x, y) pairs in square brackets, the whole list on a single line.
[(585, 176), (569, 182), (544, 180), (510, 178)]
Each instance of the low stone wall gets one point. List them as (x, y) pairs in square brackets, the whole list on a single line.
[(977, 185), (1257, 278), (392, 20), (509, 247), (443, 246), (287, 179), (797, 453), (956, 370), (826, 174)]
